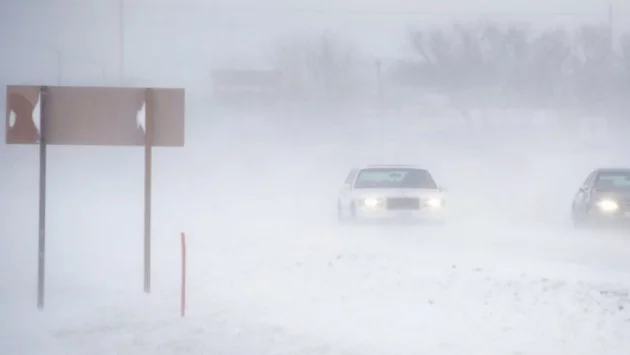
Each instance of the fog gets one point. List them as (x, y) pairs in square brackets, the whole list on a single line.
[(511, 134)]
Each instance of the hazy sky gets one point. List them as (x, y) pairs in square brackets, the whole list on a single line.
[(78, 40)]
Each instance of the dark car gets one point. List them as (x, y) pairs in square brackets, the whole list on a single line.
[(603, 199)]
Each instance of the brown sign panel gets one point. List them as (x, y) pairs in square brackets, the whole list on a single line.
[(21, 112), (169, 106), (100, 115)]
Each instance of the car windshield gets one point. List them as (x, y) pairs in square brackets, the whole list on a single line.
[(374, 178), (613, 181)]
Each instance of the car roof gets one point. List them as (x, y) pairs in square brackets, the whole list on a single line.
[(613, 170), (385, 166)]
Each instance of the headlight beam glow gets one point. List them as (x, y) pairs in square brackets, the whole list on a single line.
[(372, 202), (608, 205), (434, 202)]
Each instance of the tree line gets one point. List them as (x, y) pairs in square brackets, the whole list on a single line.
[(482, 64)]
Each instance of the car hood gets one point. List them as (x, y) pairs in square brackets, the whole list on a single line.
[(615, 194), (428, 193)]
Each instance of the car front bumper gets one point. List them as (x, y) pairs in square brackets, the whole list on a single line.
[(437, 215), (617, 218)]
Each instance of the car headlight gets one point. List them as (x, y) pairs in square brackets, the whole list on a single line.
[(435, 202), (373, 202), (608, 205)]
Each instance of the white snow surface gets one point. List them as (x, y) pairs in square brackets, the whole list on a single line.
[(270, 272)]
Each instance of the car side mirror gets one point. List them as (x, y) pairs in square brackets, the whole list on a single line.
[(583, 188), (442, 189)]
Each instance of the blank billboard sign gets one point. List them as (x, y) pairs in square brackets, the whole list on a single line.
[(109, 116)]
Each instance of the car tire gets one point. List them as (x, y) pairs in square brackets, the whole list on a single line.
[(342, 217), (353, 213), (578, 220)]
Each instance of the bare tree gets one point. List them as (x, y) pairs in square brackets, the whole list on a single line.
[(624, 77), (437, 51), (511, 64), (469, 57), (548, 60), (593, 64), (318, 67), (625, 51)]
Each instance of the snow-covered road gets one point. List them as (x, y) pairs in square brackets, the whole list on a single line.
[(287, 289)]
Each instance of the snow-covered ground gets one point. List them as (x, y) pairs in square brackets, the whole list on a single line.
[(295, 290), (270, 272)]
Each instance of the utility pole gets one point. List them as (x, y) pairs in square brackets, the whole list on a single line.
[(59, 67), (379, 92), (611, 25), (121, 41), (378, 79)]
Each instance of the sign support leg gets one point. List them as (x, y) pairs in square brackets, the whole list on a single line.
[(148, 140), (41, 252)]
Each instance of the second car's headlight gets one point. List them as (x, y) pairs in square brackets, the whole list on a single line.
[(608, 205), (435, 202), (373, 202)]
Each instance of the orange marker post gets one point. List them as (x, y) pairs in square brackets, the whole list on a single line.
[(183, 285)]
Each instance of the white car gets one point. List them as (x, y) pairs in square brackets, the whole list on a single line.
[(391, 192)]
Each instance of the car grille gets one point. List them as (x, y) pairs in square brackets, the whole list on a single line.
[(403, 203)]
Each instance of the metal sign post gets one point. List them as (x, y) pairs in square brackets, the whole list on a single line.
[(148, 139), (41, 252)]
